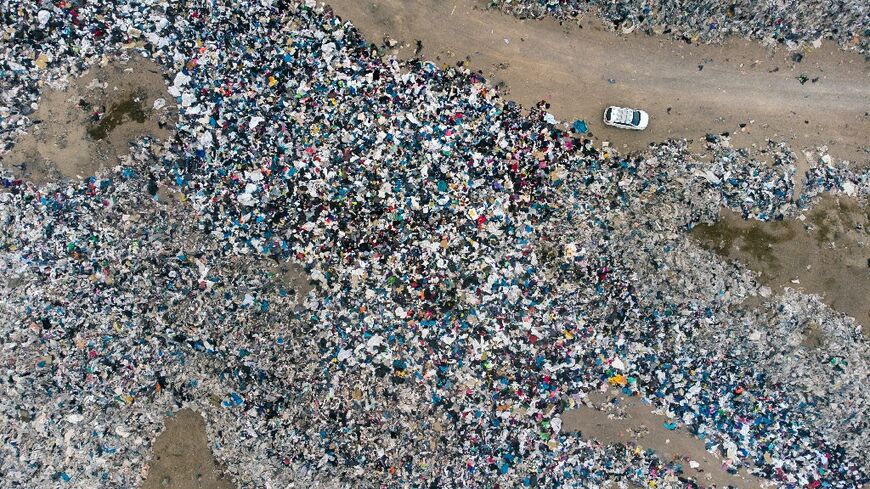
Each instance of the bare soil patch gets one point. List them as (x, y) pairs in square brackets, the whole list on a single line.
[(826, 253), (629, 421), (294, 279), (87, 126), (182, 458)]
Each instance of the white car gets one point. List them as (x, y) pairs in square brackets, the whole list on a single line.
[(626, 118)]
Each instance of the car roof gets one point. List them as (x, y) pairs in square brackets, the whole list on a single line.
[(621, 115)]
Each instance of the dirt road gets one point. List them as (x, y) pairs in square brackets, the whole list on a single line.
[(688, 90)]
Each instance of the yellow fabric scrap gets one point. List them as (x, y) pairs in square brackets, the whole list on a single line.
[(618, 379)]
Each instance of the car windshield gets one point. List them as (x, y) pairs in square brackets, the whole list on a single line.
[(607, 114), (635, 119)]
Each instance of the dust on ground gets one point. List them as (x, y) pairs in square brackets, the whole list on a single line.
[(688, 90), (182, 458), (294, 278), (827, 252), (626, 420), (90, 124)]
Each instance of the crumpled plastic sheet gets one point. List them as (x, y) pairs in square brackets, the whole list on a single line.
[(478, 272)]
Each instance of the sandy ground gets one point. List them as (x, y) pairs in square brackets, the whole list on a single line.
[(826, 253), (68, 137), (688, 90), (294, 278), (182, 458), (632, 423)]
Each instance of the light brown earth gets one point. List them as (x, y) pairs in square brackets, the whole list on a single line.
[(182, 458), (741, 82), (826, 253), (294, 279), (635, 425), (68, 141)]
